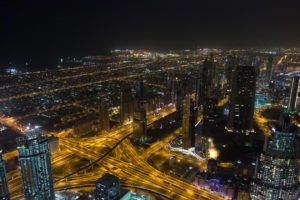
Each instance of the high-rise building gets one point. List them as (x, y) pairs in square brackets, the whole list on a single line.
[(210, 109), (242, 99), (170, 89), (126, 106), (4, 193), (107, 188), (104, 116), (179, 98), (209, 76), (212, 72), (199, 86), (209, 79), (139, 92), (294, 96), (198, 92), (229, 66), (35, 164), (204, 82), (139, 118), (208, 92), (188, 85), (188, 124), (276, 173), (140, 125)]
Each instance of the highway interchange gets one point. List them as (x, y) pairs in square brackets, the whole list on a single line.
[(82, 161)]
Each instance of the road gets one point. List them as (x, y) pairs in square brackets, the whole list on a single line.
[(108, 152), (128, 163)]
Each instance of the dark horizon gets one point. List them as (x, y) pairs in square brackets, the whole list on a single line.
[(45, 31)]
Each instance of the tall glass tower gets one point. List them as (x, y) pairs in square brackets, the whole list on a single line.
[(34, 160), (139, 116), (276, 173), (4, 193), (242, 99), (188, 124)]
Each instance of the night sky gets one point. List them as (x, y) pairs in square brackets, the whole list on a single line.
[(43, 30)]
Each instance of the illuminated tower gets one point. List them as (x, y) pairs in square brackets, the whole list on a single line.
[(294, 97), (276, 173), (242, 99), (139, 118), (4, 193), (188, 124), (127, 105), (104, 116), (35, 164)]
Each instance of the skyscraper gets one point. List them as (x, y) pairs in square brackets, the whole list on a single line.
[(170, 89), (104, 116), (204, 82), (208, 92), (35, 164), (139, 92), (198, 92), (188, 124), (210, 109), (294, 96), (208, 76), (127, 105), (107, 188), (199, 86), (212, 72), (229, 66), (179, 98), (276, 173), (139, 118), (4, 193), (242, 99)]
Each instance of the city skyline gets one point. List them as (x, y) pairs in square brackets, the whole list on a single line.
[(149, 100)]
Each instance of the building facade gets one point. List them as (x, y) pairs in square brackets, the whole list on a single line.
[(35, 164), (242, 99), (139, 117), (276, 173), (126, 105), (4, 192), (104, 116), (294, 95), (188, 124)]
